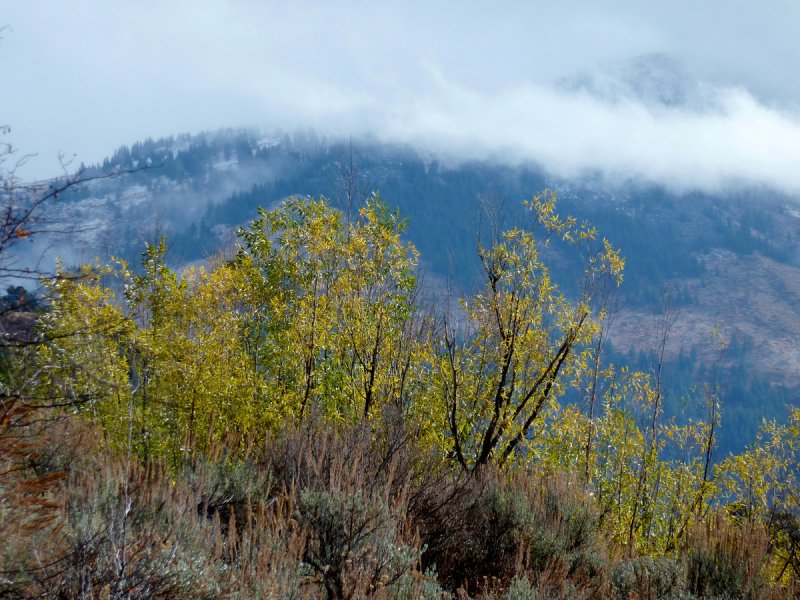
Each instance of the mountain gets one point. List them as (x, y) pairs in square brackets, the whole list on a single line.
[(726, 262), (653, 80)]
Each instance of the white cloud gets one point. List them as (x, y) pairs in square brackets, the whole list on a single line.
[(472, 80)]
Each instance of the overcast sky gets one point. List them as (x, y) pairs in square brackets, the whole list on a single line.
[(692, 94)]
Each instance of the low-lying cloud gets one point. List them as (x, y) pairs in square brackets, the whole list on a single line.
[(736, 139), (687, 96)]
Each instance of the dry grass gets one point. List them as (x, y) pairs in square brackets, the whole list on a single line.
[(319, 513)]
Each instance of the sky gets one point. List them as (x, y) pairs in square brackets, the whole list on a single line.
[(688, 94)]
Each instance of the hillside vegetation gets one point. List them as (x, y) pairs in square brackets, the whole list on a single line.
[(295, 419), (723, 262)]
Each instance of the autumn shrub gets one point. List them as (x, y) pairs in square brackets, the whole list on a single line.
[(124, 531), (111, 527), (354, 512), (318, 515), (37, 449), (727, 560), (521, 589), (648, 577), (562, 547), (263, 555), (354, 544), (483, 532), (29, 521), (351, 492), (784, 532), (446, 508), (226, 485)]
